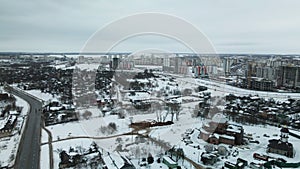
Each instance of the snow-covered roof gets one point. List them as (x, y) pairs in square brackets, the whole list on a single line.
[(206, 124), (3, 122), (139, 96), (69, 106), (227, 137), (169, 160), (234, 128), (13, 112), (55, 100), (55, 108), (138, 80), (215, 135), (271, 112), (204, 131), (92, 155), (73, 153), (112, 160), (208, 155), (13, 117), (254, 98)]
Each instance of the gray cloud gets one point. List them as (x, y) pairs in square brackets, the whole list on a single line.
[(269, 26)]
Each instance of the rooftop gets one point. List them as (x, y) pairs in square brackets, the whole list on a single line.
[(277, 144), (284, 130)]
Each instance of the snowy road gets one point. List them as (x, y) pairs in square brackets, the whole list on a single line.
[(29, 150)]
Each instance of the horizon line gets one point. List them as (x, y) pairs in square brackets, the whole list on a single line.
[(110, 53)]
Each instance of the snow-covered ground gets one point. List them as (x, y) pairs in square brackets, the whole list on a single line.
[(222, 89), (44, 137), (43, 96), (65, 130), (9, 145), (44, 156), (172, 134), (91, 127), (65, 145)]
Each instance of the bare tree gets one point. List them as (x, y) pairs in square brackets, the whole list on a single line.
[(87, 114)]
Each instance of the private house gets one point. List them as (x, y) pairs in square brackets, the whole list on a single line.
[(7, 125), (240, 164), (208, 159), (169, 162), (56, 113), (218, 130), (4, 96), (282, 146)]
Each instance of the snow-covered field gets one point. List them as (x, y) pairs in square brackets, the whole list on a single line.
[(89, 127)]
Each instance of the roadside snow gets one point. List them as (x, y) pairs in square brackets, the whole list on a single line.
[(43, 96)]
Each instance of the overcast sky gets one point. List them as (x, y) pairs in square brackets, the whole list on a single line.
[(233, 26)]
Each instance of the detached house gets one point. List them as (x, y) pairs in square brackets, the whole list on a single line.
[(282, 146), (7, 125)]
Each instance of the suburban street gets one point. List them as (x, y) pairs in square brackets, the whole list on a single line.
[(28, 155)]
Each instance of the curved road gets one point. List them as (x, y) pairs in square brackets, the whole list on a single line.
[(28, 155)]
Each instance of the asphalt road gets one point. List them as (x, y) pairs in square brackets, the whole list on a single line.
[(28, 156)]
